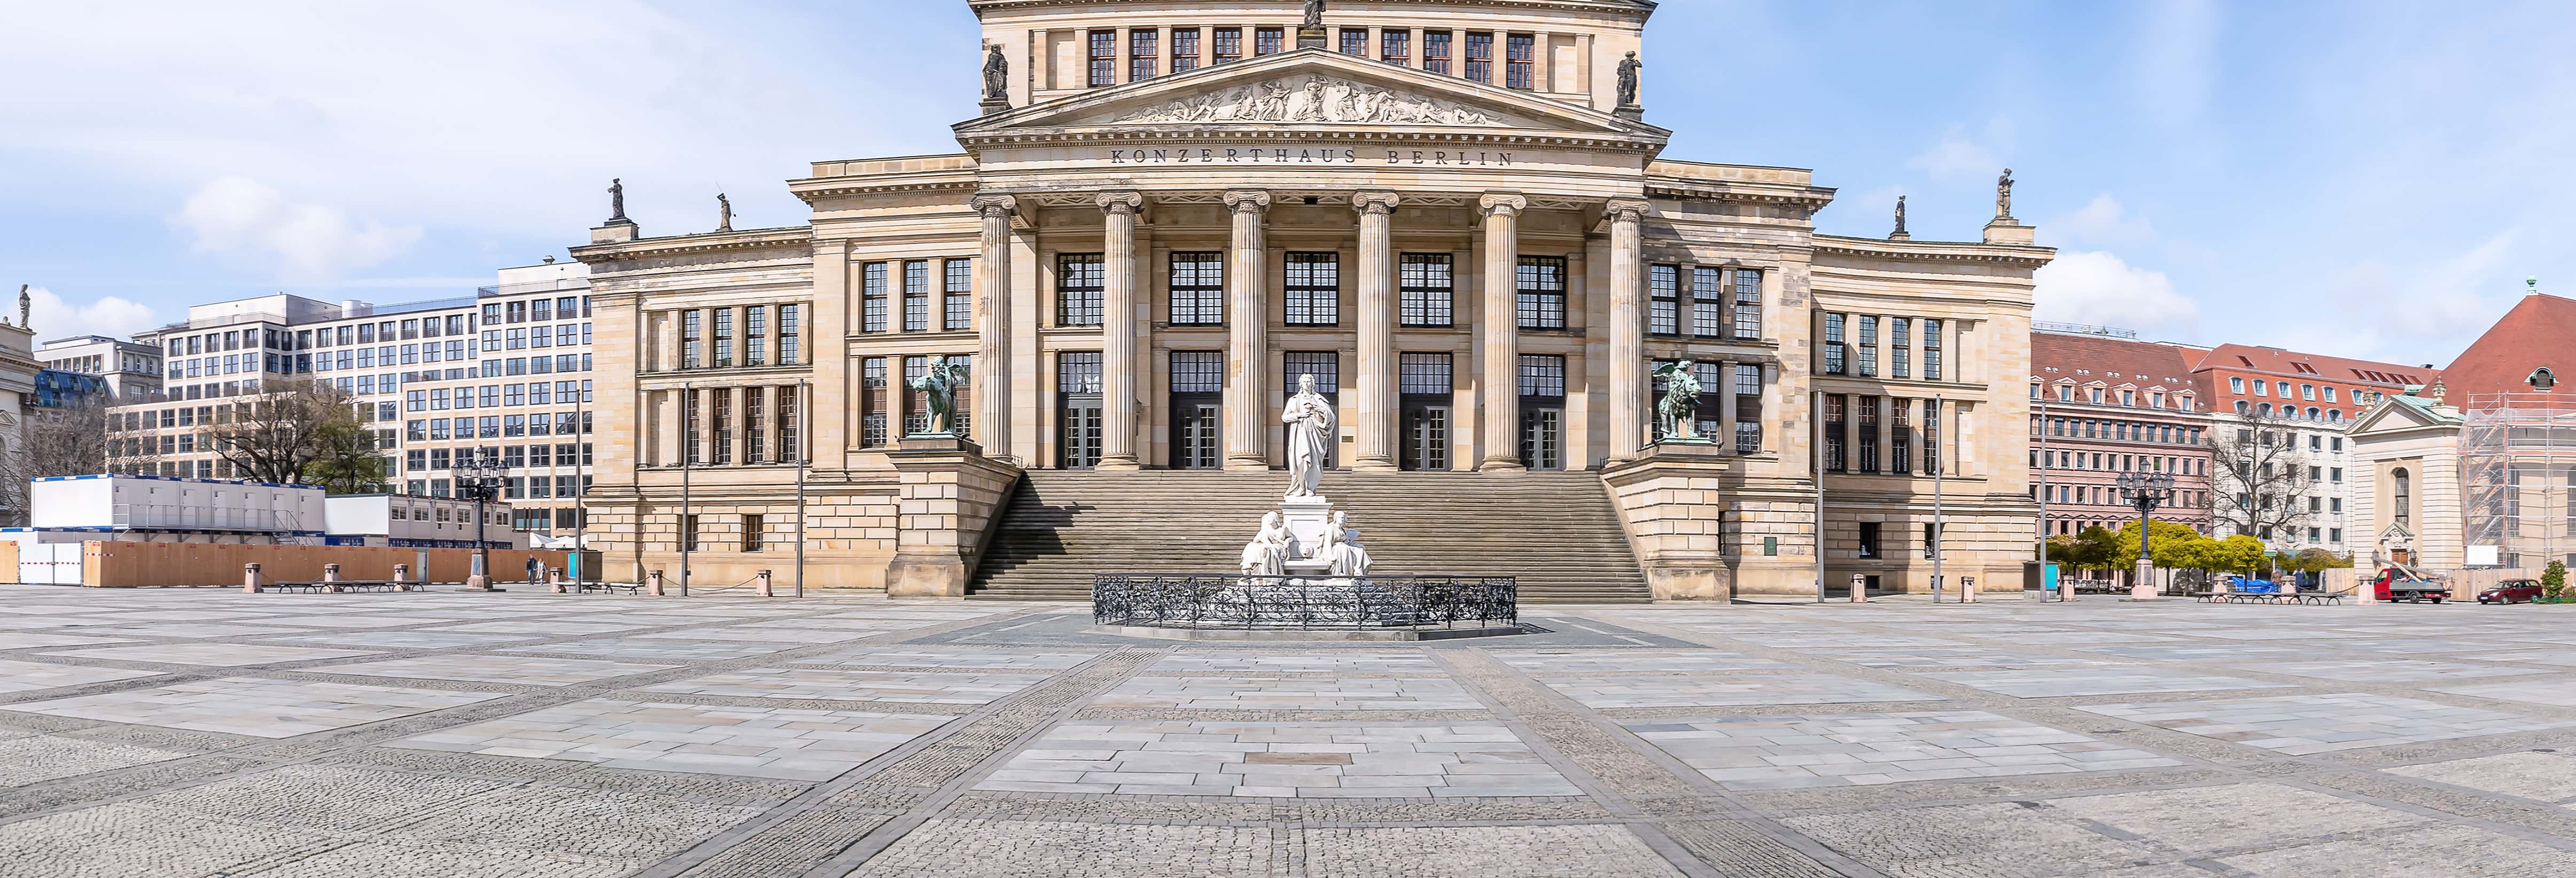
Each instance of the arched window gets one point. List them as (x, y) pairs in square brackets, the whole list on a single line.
[(2244, 408), (2312, 414), (2334, 415), (2401, 507), (2265, 409)]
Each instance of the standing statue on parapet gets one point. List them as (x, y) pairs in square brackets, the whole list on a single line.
[(2003, 195), (724, 213), (26, 307), (1628, 76), (616, 200), (997, 73), (1314, 15), (1900, 219), (1310, 438), (939, 387)]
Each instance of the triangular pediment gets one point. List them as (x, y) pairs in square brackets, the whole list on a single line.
[(2393, 415), (1311, 88)]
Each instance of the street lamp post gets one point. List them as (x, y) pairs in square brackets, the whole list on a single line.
[(479, 477), (2145, 491)]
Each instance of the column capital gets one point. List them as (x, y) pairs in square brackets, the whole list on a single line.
[(1247, 200), (1375, 202), (1121, 201), (1631, 210), (992, 205), (1504, 203)]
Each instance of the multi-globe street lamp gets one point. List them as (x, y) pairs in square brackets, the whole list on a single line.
[(2145, 491), (478, 478)]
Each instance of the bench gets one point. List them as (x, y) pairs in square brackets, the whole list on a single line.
[(344, 585), (610, 587), (2238, 597)]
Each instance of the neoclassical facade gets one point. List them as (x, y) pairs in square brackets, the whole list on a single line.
[(1451, 213)]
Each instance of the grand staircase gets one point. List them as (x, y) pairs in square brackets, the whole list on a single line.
[(1556, 532)]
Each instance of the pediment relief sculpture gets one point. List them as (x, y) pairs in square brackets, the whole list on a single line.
[(1311, 97)]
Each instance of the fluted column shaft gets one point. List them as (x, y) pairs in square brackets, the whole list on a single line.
[(1375, 402), (1247, 319), (1628, 385), (1501, 322), (1118, 332), (992, 378)]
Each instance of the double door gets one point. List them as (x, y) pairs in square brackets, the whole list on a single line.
[(1426, 433), (1197, 430)]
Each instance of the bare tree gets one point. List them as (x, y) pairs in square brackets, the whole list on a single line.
[(69, 440), (278, 435), (2261, 475)]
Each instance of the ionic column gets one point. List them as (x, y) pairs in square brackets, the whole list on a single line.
[(1374, 410), (1501, 398), (1628, 386), (1118, 332), (992, 421), (1247, 318)]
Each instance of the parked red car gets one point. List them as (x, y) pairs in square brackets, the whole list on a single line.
[(2511, 591)]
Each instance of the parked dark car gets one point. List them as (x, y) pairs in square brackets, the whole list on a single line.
[(2511, 591)]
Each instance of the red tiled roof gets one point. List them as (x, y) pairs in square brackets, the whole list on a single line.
[(2312, 367), (2539, 331), (2115, 361)]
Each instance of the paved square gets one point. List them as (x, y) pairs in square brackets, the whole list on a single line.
[(2542, 777), (2198, 652), (1589, 662), (781, 743), (220, 655), (660, 650), (749, 634), (1321, 663), (1292, 760), (31, 639), (2393, 670), (405, 639), (16, 676), (1293, 693), (824, 684), (521, 670), (966, 658), (1960, 657), (2065, 682), (254, 706), (2304, 724), (1650, 691), (2554, 690), (1777, 752)]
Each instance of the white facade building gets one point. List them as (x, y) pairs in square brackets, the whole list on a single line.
[(176, 506), (132, 370), (416, 522)]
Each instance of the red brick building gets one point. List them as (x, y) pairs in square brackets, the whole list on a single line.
[(2104, 405)]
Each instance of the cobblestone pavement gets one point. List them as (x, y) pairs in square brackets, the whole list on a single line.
[(203, 732)]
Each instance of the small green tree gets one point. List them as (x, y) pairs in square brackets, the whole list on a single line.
[(2237, 554), (2172, 545), (2553, 581)]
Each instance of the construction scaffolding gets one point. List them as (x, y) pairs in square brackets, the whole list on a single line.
[(2518, 480)]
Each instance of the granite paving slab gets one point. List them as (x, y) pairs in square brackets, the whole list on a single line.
[(955, 657), (1781, 752), (17, 676), (1273, 693), (225, 655), (1650, 691), (922, 687), (521, 670), (2069, 682), (255, 706), (2305, 724), (784, 743), (1280, 760)]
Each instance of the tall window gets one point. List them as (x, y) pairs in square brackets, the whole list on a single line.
[(1866, 327), (1520, 56), (1423, 373), (755, 433), (724, 425), (1931, 351), (1077, 384), (1708, 303), (1185, 49), (1326, 366), (790, 353), (724, 338), (959, 295), (874, 402), (1229, 45), (1104, 58), (1900, 436), (1198, 289), (872, 297), (1314, 289), (1834, 347), (1932, 438), (1663, 300), (1435, 51), (791, 423), (1269, 41), (916, 296), (1867, 438), (1542, 387), (1837, 418), (916, 403), (1480, 57), (1143, 45), (692, 330), (2402, 507), (1542, 292), (1748, 305), (1395, 47), (1355, 41), (1078, 281), (692, 423), (1900, 342), (1427, 288), (755, 336)]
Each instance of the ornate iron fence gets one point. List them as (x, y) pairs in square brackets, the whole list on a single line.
[(1297, 602)]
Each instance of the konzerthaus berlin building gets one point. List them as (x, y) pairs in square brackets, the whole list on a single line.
[(1451, 212)]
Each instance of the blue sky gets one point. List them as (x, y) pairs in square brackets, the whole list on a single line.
[(2355, 178)]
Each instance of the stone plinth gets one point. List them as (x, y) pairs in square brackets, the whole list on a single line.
[(1307, 519), (1673, 499), (950, 493)]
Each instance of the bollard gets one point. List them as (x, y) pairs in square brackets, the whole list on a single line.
[(555, 582), (402, 575), (1859, 589), (250, 578), (2065, 587), (331, 574), (653, 583), (760, 585), (1967, 589)]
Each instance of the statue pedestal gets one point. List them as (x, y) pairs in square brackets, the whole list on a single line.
[(1311, 38), (1307, 519), (949, 496)]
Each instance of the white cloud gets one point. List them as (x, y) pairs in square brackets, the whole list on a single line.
[(2099, 288), (309, 241), (109, 316), (1960, 155), (2100, 222)]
